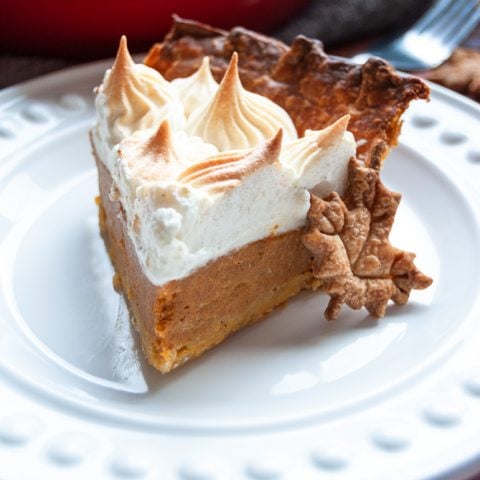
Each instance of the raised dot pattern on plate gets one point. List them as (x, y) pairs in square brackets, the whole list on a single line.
[(451, 137), (442, 413), (391, 437), (472, 384), (198, 470), (69, 449), (19, 430), (330, 457), (9, 126), (474, 155), (424, 121), (36, 113), (129, 465), (264, 469), (72, 103)]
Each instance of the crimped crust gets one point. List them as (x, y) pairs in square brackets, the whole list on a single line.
[(313, 87)]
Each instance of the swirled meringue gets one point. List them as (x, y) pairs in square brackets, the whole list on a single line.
[(196, 188), (320, 158), (135, 97), (156, 155), (196, 90), (236, 119), (226, 170)]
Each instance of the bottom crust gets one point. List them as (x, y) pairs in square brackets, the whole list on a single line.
[(183, 318)]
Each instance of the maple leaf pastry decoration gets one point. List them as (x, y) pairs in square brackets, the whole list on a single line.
[(354, 262)]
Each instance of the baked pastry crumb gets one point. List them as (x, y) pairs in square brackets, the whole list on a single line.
[(461, 72)]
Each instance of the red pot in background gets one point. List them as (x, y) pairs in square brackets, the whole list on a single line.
[(92, 28)]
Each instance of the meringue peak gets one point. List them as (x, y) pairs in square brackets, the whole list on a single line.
[(123, 59), (331, 134), (204, 73), (159, 154), (225, 171), (160, 145), (235, 118), (269, 152), (151, 155), (122, 70), (230, 86), (317, 159), (196, 90), (135, 97)]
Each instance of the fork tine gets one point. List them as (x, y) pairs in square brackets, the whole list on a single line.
[(431, 15), (432, 39), (465, 30), (457, 23), (451, 17)]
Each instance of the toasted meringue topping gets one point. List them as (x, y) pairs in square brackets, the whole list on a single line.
[(226, 170), (236, 119), (159, 155), (314, 164), (196, 90), (153, 157), (332, 134), (223, 178), (136, 97), (160, 146)]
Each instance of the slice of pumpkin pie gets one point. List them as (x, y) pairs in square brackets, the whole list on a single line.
[(225, 191)]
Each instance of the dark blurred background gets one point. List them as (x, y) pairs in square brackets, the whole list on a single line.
[(38, 37)]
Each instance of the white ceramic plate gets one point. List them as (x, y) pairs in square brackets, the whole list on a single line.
[(293, 397)]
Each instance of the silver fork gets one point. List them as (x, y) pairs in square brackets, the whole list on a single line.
[(432, 39)]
